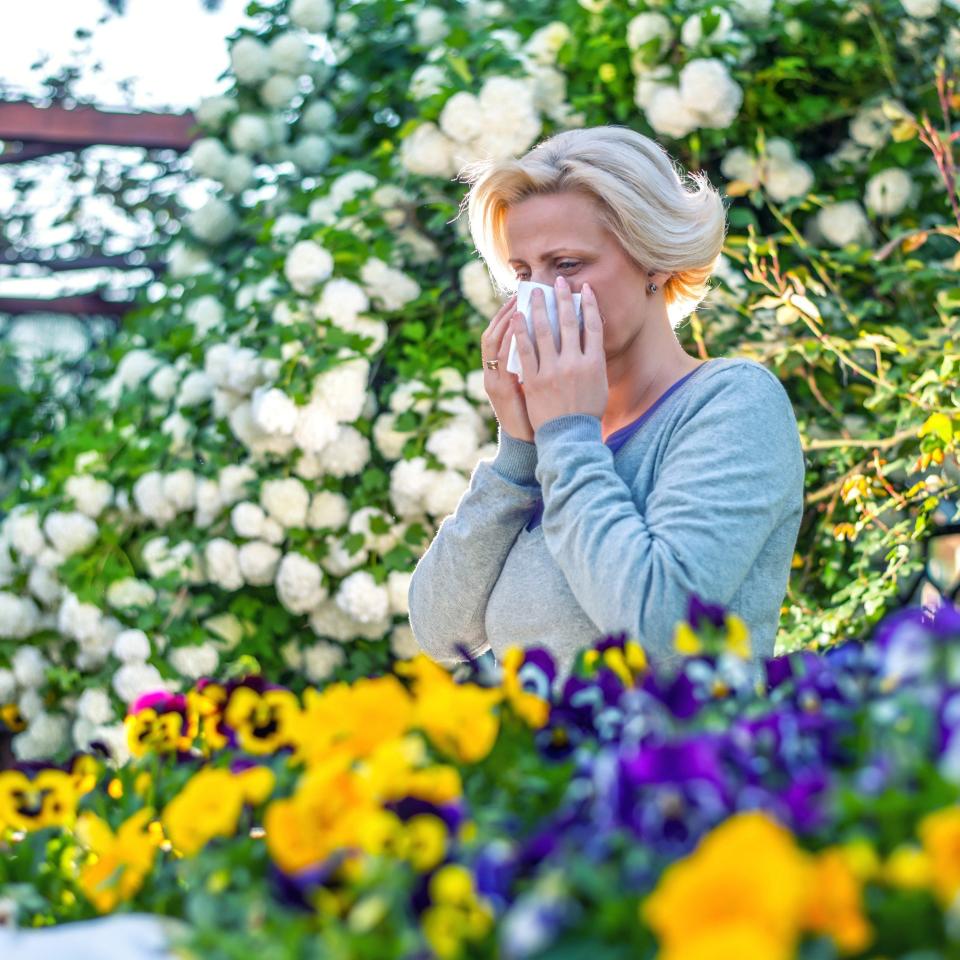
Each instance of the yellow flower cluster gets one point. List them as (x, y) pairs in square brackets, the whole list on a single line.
[(457, 913), (749, 891)]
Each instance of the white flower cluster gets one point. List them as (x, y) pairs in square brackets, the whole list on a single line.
[(499, 121), (780, 173), (705, 95)]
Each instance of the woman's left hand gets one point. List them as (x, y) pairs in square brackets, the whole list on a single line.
[(573, 379)]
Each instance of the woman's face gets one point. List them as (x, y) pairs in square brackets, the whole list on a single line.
[(558, 235)]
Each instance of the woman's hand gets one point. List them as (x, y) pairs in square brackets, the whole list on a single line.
[(573, 380), (503, 388)]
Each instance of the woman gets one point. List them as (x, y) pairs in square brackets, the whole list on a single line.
[(628, 473)]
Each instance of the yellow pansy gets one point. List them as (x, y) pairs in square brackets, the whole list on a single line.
[(458, 718), (747, 872), (164, 732), (907, 867), (209, 805), (940, 834), (835, 905), (533, 710), (48, 799), (116, 864), (352, 718), (456, 913), (263, 722)]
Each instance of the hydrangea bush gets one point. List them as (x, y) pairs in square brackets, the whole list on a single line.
[(286, 418)]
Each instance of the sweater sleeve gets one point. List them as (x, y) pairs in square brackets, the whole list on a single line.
[(729, 472), (456, 574)]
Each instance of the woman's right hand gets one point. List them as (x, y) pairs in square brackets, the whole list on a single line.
[(503, 388)]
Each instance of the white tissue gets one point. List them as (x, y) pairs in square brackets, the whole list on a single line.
[(524, 293)]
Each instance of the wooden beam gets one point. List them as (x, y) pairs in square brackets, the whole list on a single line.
[(80, 263), (86, 126), (86, 304)]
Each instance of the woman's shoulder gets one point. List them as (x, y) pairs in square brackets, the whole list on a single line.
[(738, 379)]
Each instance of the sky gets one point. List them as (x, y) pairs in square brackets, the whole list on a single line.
[(172, 50)]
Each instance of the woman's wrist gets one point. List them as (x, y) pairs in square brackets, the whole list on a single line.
[(516, 459)]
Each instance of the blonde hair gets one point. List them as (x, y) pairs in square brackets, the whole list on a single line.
[(642, 198)]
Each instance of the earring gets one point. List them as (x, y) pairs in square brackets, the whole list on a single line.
[(652, 287)]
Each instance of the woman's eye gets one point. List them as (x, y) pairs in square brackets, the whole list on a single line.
[(563, 265)]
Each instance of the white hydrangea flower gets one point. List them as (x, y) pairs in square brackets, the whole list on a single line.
[(430, 24), (328, 510), (544, 43), (318, 117), (94, 705), (312, 153), (752, 11), (709, 92), (461, 117), (178, 428), (299, 583), (130, 592), (843, 223), (329, 622), (870, 127), (691, 33), (184, 260), (398, 589), (249, 60), (347, 454), (195, 661), (289, 53), (454, 445), (273, 411), (312, 15), (90, 495), (8, 685), (278, 91), (888, 191), (134, 367), (250, 134), (71, 532), (208, 158), (247, 519), (307, 264), (212, 111), (341, 301), (342, 389), (180, 489), (227, 630), (259, 562), (29, 666), (321, 659), (360, 523), (338, 561), (131, 646), (214, 222), (428, 152), (362, 598), (133, 680), (46, 736), (444, 491), (476, 287), (223, 564), (786, 179), (403, 644), (316, 426), (195, 388), (163, 382), (475, 389), (22, 531), (427, 80), (667, 113), (921, 9), (644, 27), (149, 497), (233, 480), (239, 174), (206, 314), (390, 289), (408, 485), (43, 583), (388, 440), (30, 704), (286, 500)]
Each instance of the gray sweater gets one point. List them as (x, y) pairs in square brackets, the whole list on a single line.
[(705, 495)]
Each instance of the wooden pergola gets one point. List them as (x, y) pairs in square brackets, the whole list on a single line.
[(28, 131)]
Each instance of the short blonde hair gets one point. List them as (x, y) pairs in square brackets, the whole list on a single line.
[(641, 197)]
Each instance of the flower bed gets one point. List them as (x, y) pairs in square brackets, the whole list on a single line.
[(630, 811)]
